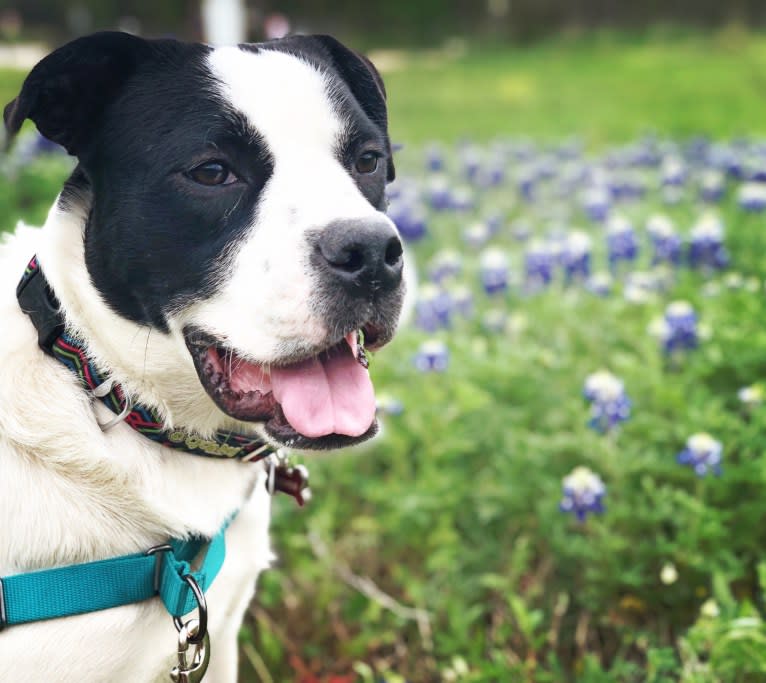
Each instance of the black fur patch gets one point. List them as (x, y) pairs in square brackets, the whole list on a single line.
[(141, 114)]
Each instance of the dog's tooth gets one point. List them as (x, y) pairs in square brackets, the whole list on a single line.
[(352, 341)]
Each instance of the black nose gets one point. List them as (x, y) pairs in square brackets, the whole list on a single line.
[(363, 256)]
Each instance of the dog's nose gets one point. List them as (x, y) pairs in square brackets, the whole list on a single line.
[(364, 256)]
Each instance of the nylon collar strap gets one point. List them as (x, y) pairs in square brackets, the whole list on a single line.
[(38, 301), (92, 586)]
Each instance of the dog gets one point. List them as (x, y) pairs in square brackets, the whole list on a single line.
[(219, 256)]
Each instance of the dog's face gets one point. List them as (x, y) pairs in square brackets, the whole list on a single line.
[(235, 203)]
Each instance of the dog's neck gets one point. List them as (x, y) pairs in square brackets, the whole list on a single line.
[(153, 368)]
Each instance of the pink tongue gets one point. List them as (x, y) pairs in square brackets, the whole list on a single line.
[(333, 396)]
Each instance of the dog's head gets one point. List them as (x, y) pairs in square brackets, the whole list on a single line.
[(235, 203)]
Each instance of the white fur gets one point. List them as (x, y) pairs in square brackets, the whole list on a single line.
[(271, 283), (71, 493)]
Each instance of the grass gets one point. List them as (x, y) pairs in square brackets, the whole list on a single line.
[(602, 88)]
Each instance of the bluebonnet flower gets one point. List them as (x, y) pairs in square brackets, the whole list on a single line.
[(621, 240), (521, 230), (703, 454), (673, 171), (492, 176), (627, 185), (610, 404), (494, 222), (752, 197), (433, 308), (539, 261), (712, 186), (602, 385), (597, 201), (665, 241), (575, 255), (462, 300), (386, 404), (462, 199), (476, 234), (409, 220), (440, 193), (526, 182), (445, 265), (494, 271), (599, 284), (677, 330), (470, 159), (583, 493), (607, 414), (432, 356), (435, 158), (706, 249)]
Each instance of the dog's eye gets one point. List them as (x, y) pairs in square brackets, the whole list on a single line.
[(212, 173), (367, 163)]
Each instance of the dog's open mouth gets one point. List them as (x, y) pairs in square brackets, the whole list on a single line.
[(323, 401)]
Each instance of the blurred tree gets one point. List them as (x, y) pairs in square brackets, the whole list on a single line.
[(390, 22)]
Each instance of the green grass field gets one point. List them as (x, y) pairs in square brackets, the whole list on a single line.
[(603, 88), (439, 553)]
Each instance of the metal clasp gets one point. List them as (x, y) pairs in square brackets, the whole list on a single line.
[(191, 670), (200, 633)]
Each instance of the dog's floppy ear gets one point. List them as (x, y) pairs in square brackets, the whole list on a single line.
[(67, 91), (363, 80)]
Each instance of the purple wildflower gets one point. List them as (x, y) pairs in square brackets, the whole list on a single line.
[(610, 405), (538, 264), (433, 308), (575, 255), (703, 454), (597, 202), (621, 241), (583, 493), (665, 241), (752, 197), (706, 248), (409, 220), (494, 271), (677, 330), (432, 356)]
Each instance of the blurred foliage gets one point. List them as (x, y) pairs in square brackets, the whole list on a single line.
[(397, 22), (454, 510), (601, 87)]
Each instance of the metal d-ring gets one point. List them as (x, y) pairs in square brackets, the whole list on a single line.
[(156, 550), (3, 615), (199, 596)]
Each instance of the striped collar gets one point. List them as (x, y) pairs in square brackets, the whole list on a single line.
[(38, 301)]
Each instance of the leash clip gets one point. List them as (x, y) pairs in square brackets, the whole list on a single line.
[(191, 670)]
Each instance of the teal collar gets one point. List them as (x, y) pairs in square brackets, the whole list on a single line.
[(77, 589)]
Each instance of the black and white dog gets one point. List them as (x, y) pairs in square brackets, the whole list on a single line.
[(216, 253)]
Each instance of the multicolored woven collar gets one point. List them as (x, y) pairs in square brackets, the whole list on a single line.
[(38, 301)]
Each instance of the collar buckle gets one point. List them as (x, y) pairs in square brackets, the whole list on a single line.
[(37, 300)]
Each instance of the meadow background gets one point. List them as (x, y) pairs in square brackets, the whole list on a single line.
[(440, 551)]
